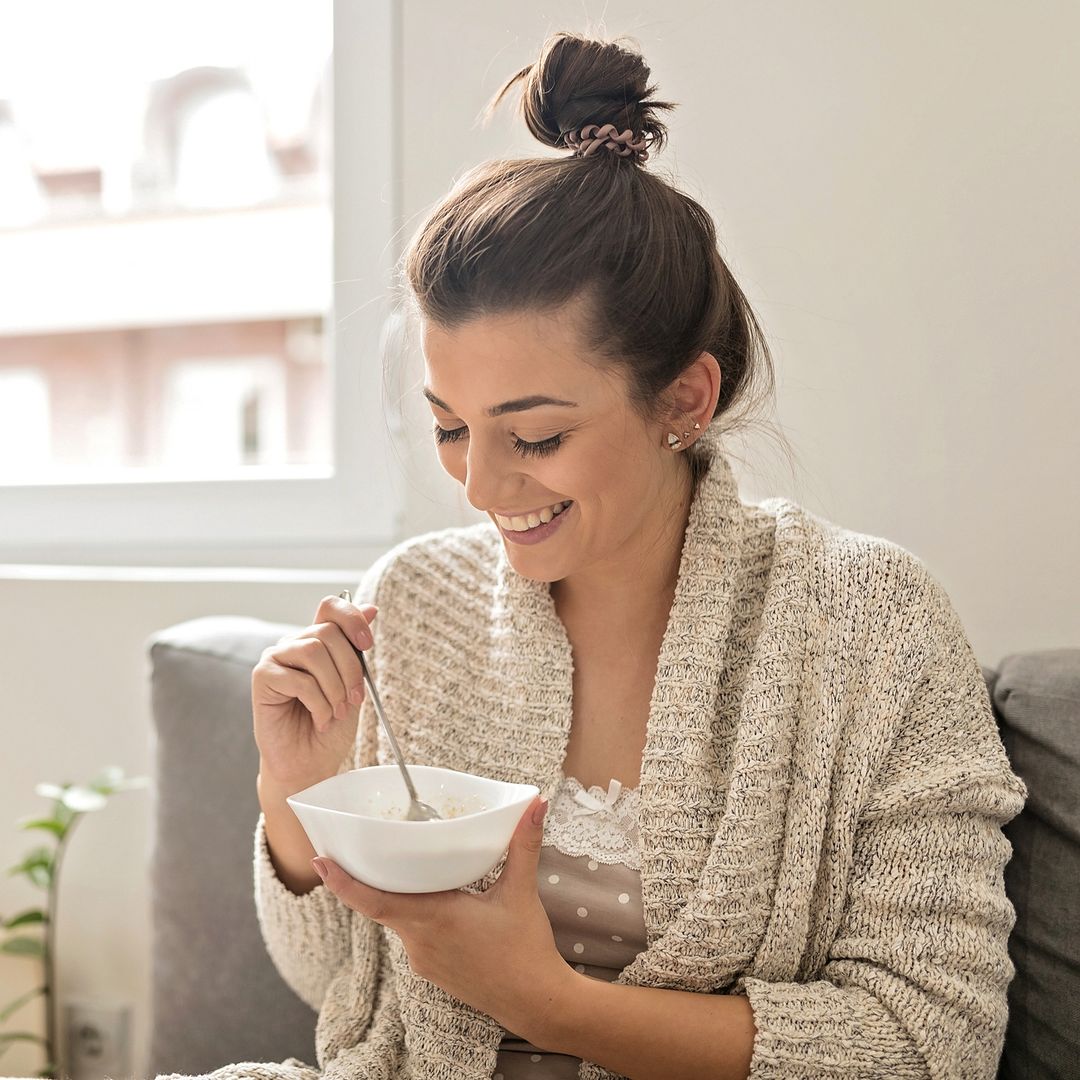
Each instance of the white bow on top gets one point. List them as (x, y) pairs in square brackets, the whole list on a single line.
[(592, 804)]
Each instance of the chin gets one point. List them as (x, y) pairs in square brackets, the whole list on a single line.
[(519, 558)]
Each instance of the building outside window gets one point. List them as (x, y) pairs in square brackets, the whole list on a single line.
[(199, 134), (169, 246)]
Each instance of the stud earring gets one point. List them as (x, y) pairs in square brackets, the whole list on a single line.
[(674, 442)]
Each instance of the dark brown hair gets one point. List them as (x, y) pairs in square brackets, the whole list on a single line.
[(635, 258)]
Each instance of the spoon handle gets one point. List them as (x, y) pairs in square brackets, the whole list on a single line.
[(346, 595)]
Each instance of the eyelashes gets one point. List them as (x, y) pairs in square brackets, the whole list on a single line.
[(526, 449)]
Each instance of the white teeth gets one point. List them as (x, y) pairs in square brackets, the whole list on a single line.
[(520, 524)]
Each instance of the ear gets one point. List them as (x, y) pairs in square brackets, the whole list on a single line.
[(693, 396)]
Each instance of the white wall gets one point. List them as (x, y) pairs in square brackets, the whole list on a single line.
[(894, 189)]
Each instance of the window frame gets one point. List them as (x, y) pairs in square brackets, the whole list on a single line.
[(354, 503)]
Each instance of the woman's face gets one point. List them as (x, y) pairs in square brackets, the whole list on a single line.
[(592, 449)]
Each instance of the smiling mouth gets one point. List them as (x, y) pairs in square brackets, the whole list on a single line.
[(524, 522)]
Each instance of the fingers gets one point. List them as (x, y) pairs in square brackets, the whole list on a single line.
[(328, 651), (287, 676), (331, 662), (396, 910), (320, 666), (350, 618)]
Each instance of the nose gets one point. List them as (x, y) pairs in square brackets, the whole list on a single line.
[(486, 481)]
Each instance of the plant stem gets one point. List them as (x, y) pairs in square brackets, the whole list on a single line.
[(52, 1049)]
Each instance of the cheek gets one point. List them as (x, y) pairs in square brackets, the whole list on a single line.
[(597, 477), (613, 493)]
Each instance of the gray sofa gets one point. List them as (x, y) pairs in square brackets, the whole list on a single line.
[(217, 998)]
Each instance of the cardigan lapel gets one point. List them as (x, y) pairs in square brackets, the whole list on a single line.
[(705, 943), (680, 766)]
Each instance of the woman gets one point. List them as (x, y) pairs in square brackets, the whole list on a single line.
[(788, 857)]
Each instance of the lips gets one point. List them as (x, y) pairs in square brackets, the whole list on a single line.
[(506, 521), (538, 534)]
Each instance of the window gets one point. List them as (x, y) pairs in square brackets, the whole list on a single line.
[(177, 365)]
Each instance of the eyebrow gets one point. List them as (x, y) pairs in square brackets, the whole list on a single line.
[(517, 405)]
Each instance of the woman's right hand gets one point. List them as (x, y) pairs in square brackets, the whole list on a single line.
[(305, 718)]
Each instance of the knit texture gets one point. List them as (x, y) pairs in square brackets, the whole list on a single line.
[(821, 795)]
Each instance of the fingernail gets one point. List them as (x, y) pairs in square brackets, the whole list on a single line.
[(539, 811), (320, 868)]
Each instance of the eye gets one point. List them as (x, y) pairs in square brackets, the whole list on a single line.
[(447, 435), (538, 449)]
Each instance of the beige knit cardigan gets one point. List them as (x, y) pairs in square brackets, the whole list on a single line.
[(822, 789)]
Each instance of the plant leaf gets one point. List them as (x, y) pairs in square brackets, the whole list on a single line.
[(41, 875), (32, 915), (23, 946), (107, 779), (38, 866), (111, 779), (50, 824), (83, 799), (19, 1002), (133, 783), (20, 1036)]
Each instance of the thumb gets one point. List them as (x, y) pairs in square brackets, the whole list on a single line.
[(525, 846)]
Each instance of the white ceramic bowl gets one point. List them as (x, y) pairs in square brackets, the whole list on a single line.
[(357, 819)]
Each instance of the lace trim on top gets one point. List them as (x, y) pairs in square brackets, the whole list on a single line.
[(602, 825)]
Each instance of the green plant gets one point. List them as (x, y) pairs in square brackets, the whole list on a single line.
[(42, 867)]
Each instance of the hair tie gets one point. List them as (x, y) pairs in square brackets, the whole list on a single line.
[(593, 136)]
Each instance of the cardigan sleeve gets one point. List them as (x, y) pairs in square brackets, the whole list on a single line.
[(309, 937), (915, 980)]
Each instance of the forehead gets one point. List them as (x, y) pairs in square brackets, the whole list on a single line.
[(494, 347)]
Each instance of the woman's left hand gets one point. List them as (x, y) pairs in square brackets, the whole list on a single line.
[(493, 950)]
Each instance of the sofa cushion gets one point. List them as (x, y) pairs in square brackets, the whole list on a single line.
[(1036, 697), (216, 996)]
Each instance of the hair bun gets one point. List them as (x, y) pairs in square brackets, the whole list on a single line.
[(579, 80)]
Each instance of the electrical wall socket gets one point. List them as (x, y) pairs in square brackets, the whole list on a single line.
[(97, 1039)]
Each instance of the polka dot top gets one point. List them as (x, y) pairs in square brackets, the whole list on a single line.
[(590, 886)]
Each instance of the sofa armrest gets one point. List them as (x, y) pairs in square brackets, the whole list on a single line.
[(1036, 698)]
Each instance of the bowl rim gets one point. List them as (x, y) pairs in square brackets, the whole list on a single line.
[(535, 790)]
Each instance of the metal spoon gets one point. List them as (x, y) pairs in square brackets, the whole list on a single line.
[(418, 811)]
